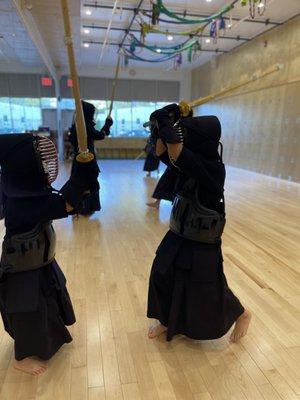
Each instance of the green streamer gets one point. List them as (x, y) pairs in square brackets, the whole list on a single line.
[(171, 50), (145, 28), (184, 20)]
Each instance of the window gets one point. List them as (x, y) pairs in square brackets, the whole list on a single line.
[(19, 114), (128, 116), (22, 114), (48, 103)]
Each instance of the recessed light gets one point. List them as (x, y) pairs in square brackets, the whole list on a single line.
[(86, 45), (170, 37), (88, 12), (87, 31), (207, 40)]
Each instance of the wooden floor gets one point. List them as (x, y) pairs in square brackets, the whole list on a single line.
[(107, 260)]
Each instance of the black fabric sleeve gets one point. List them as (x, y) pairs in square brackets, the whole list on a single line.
[(99, 135), (194, 166), (164, 157), (33, 210)]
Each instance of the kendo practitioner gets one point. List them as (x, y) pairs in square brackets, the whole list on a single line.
[(151, 161), (34, 302), (188, 291), (91, 203)]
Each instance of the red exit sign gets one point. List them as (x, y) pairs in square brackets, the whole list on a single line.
[(46, 81)]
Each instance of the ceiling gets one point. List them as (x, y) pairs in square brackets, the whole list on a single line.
[(91, 18), (15, 44)]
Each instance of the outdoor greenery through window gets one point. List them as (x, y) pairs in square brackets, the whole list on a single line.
[(25, 114)]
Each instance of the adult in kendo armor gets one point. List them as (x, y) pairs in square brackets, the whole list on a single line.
[(34, 302), (188, 291), (91, 203)]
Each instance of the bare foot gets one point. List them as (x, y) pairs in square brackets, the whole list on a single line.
[(154, 204), (241, 326), (30, 366), (156, 330)]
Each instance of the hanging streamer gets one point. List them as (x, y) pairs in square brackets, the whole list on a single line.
[(138, 58), (146, 28), (177, 61), (253, 4), (155, 14), (170, 50), (183, 20)]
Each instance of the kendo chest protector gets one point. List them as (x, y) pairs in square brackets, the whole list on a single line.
[(191, 220), (29, 250)]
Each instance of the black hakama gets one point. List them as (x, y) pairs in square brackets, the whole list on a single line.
[(151, 163), (90, 204), (188, 291), (165, 188), (35, 305)]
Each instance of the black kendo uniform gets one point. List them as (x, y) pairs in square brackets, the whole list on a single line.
[(165, 188), (188, 291), (34, 301), (92, 202), (152, 161)]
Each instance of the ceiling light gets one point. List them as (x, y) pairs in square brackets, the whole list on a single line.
[(86, 45), (207, 40), (158, 50), (88, 12), (87, 31), (260, 5), (208, 1), (170, 37)]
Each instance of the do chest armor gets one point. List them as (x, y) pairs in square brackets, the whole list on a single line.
[(191, 220), (30, 250)]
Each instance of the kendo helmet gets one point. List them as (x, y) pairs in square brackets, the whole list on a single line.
[(202, 135), (88, 111), (29, 165)]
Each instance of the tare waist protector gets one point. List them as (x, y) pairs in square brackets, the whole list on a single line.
[(193, 221), (29, 250)]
